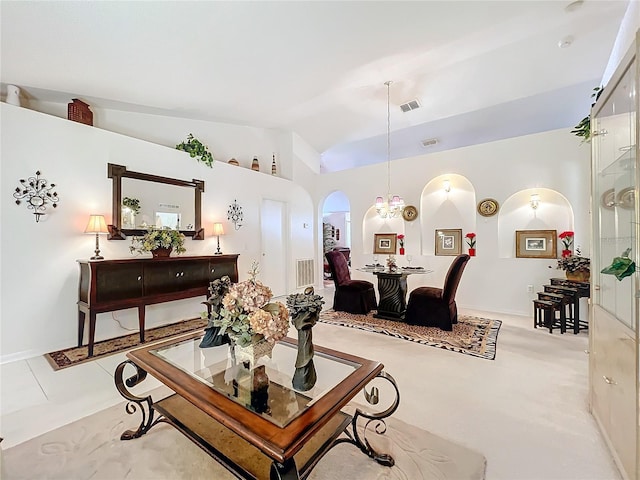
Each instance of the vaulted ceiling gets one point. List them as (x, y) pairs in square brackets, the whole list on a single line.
[(481, 70)]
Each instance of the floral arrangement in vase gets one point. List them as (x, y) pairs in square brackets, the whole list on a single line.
[(576, 267), (247, 315), (401, 242), (471, 241), (567, 241), (160, 242)]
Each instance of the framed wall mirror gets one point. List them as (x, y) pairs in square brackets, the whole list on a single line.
[(141, 201)]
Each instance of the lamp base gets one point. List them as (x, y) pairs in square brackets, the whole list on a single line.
[(218, 253), (97, 257)]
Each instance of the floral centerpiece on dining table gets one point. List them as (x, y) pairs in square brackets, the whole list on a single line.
[(160, 242), (248, 316)]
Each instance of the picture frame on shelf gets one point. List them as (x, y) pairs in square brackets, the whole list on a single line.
[(385, 243), (448, 241), (536, 244)]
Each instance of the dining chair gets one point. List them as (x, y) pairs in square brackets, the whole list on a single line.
[(352, 296), (436, 307)]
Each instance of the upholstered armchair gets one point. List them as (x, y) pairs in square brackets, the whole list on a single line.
[(436, 307), (352, 296)]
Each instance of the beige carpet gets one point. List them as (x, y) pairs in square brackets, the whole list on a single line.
[(91, 448)]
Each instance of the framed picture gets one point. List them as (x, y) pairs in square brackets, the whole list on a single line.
[(536, 243), (448, 241), (385, 243)]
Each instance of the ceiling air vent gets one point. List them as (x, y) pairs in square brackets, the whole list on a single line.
[(429, 142), (412, 105)]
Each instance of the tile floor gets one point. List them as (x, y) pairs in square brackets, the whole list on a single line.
[(526, 411)]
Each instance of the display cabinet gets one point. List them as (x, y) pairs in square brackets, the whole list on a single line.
[(614, 359)]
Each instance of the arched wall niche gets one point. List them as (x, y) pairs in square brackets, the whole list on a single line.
[(554, 212), (440, 209), (372, 224)]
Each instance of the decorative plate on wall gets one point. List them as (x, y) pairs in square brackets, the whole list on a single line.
[(626, 198), (488, 207), (410, 213)]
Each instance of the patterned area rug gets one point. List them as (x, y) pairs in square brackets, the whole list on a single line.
[(90, 448), (471, 335), (75, 355)]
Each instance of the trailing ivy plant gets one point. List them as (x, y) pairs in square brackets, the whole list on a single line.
[(196, 150), (583, 129)]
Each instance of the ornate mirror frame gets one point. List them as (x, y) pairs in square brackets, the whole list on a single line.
[(118, 172)]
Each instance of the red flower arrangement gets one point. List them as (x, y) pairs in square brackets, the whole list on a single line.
[(401, 241), (567, 240), (471, 239)]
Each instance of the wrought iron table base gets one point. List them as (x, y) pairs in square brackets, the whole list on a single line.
[(279, 471)]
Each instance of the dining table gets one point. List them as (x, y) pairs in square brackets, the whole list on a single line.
[(392, 288)]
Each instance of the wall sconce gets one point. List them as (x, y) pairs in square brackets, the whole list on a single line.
[(534, 200), (37, 194), (96, 225), (235, 214), (446, 186), (218, 230)]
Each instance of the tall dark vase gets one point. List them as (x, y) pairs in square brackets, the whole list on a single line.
[(304, 378), (212, 337), (305, 311)]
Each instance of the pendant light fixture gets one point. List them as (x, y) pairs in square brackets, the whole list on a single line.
[(393, 206)]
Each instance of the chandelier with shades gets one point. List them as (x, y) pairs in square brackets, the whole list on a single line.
[(393, 205)]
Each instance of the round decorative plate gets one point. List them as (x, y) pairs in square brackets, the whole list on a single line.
[(410, 213), (488, 207), (626, 197), (608, 199)]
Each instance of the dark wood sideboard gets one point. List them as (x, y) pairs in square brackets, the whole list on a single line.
[(108, 285)]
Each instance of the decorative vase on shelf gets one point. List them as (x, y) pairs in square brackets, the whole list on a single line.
[(255, 165), (161, 252), (401, 250), (566, 253), (472, 252), (233, 161), (13, 95)]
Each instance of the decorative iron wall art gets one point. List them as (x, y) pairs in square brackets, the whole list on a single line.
[(235, 214), (36, 194)]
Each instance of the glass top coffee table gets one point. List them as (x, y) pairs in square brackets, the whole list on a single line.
[(246, 414)]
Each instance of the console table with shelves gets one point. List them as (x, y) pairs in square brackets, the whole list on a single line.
[(109, 285)]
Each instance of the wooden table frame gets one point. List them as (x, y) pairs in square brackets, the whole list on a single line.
[(278, 444)]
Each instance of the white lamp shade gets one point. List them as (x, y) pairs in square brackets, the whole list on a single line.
[(96, 225), (218, 229)]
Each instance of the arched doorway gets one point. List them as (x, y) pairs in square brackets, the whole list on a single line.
[(336, 227)]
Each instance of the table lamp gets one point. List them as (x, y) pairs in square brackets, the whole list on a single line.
[(218, 230), (96, 225)]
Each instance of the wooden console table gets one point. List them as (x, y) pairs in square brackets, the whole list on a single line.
[(108, 285)]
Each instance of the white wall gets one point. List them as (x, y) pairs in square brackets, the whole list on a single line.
[(39, 277), (553, 160)]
